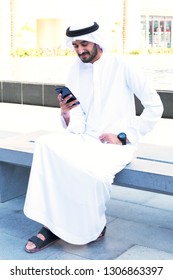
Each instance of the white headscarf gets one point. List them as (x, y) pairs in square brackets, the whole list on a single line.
[(96, 37)]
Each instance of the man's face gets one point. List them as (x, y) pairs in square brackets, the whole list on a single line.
[(87, 51)]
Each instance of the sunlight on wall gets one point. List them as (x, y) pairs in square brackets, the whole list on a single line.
[(28, 13)]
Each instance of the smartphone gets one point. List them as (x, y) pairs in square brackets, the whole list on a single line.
[(65, 92)]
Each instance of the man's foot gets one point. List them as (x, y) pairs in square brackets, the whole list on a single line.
[(43, 239), (102, 234)]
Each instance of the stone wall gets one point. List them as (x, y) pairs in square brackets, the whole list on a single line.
[(45, 95), (28, 93)]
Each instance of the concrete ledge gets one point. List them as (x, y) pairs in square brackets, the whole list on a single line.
[(16, 157), (44, 95), (18, 150)]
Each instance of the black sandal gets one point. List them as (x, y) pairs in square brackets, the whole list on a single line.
[(40, 244), (102, 234)]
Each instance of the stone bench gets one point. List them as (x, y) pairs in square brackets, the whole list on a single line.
[(148, 174), (151, 170), (16, 155)]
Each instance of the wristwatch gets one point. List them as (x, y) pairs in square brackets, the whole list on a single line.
[(122, 137)]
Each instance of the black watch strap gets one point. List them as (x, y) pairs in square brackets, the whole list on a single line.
[(123, 138)]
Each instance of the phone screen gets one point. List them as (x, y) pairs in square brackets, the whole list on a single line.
[(65, 92)]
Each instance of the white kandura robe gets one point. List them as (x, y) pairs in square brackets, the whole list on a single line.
[(72, 172)]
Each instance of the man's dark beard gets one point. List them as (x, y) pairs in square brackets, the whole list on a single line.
[(92, 55)]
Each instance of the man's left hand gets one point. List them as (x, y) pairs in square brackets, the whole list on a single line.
[(110, 138)]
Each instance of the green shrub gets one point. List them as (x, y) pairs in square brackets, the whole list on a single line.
[(135, 52), (34, 52), (38, 52), (160, 50)]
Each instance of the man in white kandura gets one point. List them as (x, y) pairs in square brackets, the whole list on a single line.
[(72, 171)]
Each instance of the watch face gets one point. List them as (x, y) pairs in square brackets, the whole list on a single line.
[(122, 137)]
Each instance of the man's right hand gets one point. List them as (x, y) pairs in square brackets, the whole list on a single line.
[(66, 106)]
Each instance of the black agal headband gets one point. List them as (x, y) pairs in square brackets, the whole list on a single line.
[(83, 31)]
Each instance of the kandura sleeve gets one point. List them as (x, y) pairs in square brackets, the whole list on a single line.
[(153, 107), (77, 122)]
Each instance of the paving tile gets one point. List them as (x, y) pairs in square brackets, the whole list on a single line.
[(106, 249), (131, 195), (61, 255), (17, 225), (13, 249), (144, 253), (128, 232), (9, 206), (140, 213), (161, 201)]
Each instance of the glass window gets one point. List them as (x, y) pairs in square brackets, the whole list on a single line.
[(168, 26), (168, 34), (159, 31), (156, 25), (162, 25)]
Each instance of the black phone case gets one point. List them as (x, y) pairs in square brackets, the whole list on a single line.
[(65, 92)]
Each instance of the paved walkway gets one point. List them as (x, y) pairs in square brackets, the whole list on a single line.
[(139, 224)]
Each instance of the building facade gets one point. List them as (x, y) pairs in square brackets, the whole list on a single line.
[(157, 30), (41, 24)]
